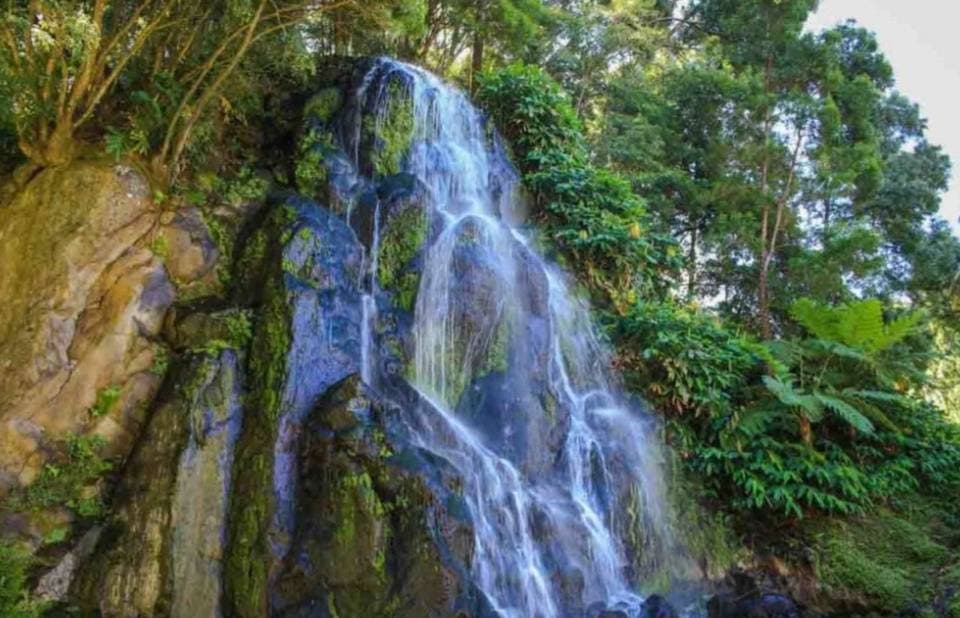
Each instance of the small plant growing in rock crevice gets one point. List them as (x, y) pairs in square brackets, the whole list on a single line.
[(106, 399), (69, 481)]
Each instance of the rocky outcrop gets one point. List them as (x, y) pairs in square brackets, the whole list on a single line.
[(162, 547), (363, 543), (82, 304)]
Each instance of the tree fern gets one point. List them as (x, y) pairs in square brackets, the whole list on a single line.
[(873, 412), (859, 324), (817, 319)]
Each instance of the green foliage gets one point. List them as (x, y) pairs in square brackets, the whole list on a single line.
[(683, 361), (857, 325), (118, 143), (794, 426), (70, 480), (106, 398), (591, 215), (15, 599)]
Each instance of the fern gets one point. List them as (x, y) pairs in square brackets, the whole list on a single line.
[(845, 411), (816, 318), (857, 325), (860, 324), (790, 397)]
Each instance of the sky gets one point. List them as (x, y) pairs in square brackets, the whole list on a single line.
[(922, 43)]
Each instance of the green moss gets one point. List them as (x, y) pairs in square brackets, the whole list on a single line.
[(706, 535), (392, 131), (237, 330), (889, 559), (160, 247), (399, 245), (247, 562), (323, 105), (310, 169), (161, 361)]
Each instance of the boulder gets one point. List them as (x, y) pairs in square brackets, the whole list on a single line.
[(655, 606), (83, 302), (754, 605)]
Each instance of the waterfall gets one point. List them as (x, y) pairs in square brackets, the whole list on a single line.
[(556, 466)]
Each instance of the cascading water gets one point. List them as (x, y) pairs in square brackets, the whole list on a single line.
[(556, 467)]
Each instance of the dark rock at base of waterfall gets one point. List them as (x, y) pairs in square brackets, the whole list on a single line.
[(371, 537), (756, 605), (655, 606)]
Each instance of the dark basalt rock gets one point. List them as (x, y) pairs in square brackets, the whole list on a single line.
[(756, 605), (371, 534), (655, 606)]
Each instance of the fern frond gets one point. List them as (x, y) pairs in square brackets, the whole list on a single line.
[(897, 329), (883, 396), (816, 318), (792, 398), (756, 421), (873, 412), (845, 411), (860, 324)]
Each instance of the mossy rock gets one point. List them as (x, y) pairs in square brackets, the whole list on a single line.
[(400, 243), (132, 559), (362, 545), (388, 129), (247, 560), (887, 561)]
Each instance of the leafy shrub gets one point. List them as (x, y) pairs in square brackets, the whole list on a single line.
[(823, 424), (590, 215), (684, 361)]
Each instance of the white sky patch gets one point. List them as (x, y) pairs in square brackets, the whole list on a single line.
[(921, 42)]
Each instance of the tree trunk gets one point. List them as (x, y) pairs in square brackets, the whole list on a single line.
[(58, 149), (692, 280), (476, 60), (763, 301), (476, 63)]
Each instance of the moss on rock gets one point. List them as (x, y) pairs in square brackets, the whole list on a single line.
[(323, 105), (391, 130), (362, 545), (248, 559), (400, 243)]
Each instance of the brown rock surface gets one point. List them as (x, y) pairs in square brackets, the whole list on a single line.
[(81, 305)]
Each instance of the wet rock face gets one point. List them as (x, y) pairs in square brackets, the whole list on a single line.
[(362, 544), (160, 551), (83, 302), (300, 272)]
